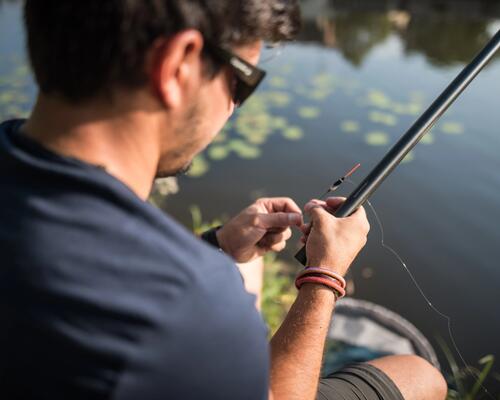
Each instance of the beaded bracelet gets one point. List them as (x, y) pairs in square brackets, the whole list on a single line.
[(322, 280), (323, 271)]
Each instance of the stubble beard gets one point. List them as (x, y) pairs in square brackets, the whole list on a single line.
[(190, 125)]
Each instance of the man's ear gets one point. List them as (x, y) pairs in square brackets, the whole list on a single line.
[(177, 68)]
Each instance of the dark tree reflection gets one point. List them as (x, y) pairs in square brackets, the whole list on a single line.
[(446, 32), (446, 40)]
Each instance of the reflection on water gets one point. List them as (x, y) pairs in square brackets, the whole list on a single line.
[(446, 32)]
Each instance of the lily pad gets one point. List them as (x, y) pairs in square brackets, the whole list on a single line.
[(7, 97), (428, 138), (278, 82), (256, 139), (309, 112), (318, 94), (379, 99), (255, 104), (409, 158), (323, 80), (377, 138), (293, 133), (350, 126), (199, 167), (218, 152), (279, 123), (244, 150), (22, 71), (383, 118), (452, 128), (278, 99), (413, 108), (249, 123)]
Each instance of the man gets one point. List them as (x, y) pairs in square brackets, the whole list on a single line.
[(105, 297)]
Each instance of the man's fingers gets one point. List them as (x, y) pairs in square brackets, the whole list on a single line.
[(278, 220), (272, 239), (278, 247), (335, 202), (280, 204), (306, 228), (314, 203), (317, 214), (331, 204)]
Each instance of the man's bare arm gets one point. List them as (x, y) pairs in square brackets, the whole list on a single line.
[(297, 348)]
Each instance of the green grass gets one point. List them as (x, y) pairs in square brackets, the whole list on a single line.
[(467, 383)]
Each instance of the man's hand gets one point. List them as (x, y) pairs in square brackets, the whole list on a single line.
[(262, 227), (333, 242)]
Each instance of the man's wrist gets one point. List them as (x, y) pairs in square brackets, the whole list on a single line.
[(212, 238), (327, 264)]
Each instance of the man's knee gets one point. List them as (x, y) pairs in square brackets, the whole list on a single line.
[(415, 377)]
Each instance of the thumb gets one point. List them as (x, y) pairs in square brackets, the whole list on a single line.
[(279, 220), (335, 202), (317, 214)]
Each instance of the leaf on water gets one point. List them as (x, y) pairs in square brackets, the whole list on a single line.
[(409, 158), (7, 97), (249, 124), (279, 123), (255, 104), (377, 138), (322, 80), (278, 99), (407, 109), (318, 94), (309, 112), (428, 138), (256, 139), (221, 137), (378, 99), (350, 126), (244, 149), (218, 152), (383, 118), (13, 111), (22, 71), (278, 82), (452, 128), (293, 133), (199, 167)]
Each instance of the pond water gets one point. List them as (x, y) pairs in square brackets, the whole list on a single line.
[(356, 79)]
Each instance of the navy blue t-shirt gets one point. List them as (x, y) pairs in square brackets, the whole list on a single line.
[(103, 296)]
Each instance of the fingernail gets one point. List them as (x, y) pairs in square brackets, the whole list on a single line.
[(294, 219)]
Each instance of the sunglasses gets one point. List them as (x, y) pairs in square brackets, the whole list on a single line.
[(247, 76)]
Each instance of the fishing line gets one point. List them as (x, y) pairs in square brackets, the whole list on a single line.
[(468, 369)]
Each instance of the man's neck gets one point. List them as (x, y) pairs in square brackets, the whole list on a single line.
[(120, 138)]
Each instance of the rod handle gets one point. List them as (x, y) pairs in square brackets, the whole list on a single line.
[(301, 256)]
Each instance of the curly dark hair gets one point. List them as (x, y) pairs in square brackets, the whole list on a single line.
[(80, 49)]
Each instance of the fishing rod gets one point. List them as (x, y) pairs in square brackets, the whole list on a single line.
[(411, 138)]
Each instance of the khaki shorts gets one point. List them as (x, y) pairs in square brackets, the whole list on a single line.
[(358, 382)]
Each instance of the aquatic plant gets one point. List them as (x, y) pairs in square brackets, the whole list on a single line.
[(467, 382), (14, 84)]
